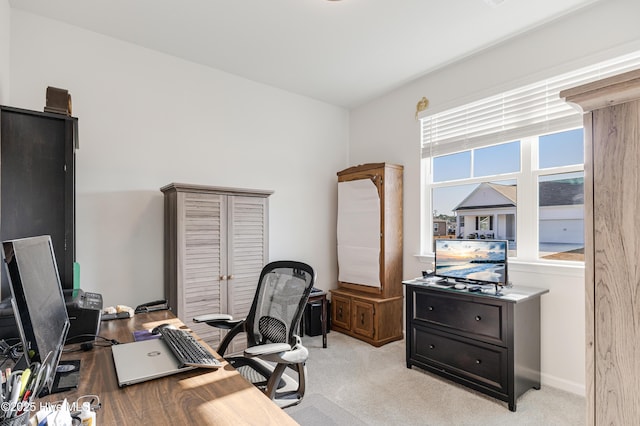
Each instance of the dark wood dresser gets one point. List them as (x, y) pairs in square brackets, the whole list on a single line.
[(485, 342)]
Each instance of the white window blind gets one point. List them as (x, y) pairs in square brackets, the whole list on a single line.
[(533, 109)]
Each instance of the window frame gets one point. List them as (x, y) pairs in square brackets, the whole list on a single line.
[(480, 122), (527, 205)]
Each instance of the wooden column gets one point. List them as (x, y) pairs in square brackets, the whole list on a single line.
[(612, 246)]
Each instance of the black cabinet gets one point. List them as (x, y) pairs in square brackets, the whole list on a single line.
[(486, 342), (37, 182)]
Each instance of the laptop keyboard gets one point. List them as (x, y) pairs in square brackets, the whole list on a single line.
[(187, 350)]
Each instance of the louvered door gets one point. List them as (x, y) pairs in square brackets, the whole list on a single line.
[(203, 241), (247, 254), (215, 245)]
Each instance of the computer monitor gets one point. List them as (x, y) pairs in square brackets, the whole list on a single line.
[(472, 261), (38, 300)]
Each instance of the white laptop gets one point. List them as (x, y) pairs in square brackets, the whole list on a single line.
[(144, 360)]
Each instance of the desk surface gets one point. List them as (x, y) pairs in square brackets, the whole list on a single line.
[(219, 397)]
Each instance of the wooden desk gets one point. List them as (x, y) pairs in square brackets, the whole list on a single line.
[(219, 397), (322, 297)]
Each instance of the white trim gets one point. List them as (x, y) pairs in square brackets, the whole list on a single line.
[(565, 385), (527, 223)]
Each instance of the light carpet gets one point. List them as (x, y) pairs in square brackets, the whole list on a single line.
[(319, 411), (352, 382)]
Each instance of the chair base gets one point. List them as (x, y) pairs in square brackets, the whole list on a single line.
[(288, 391)]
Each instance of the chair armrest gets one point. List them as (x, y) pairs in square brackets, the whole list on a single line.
[(212, 317), (297, 355), (270, 348), (279, 352), (224, 321)]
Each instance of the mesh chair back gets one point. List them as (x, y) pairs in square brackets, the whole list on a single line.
[(282, 293)]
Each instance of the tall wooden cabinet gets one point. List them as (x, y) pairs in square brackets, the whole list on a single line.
[(37, 194), (215, 245), (612, 246), (368, 301)]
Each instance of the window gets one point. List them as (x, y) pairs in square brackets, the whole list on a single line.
[(482, 197), (561, 149), (479, 207), (561, 196), (497, 159), (561, 216), (452, 167), (484, 223), (510, 166)]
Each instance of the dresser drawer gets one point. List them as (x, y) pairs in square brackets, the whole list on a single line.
[(471, 316), (483, 364)]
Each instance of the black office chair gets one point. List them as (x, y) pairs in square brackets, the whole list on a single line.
[(270, 327)]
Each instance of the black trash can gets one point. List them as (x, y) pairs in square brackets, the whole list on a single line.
[(313, 318)]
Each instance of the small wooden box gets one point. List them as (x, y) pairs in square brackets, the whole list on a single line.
[(58, 101)]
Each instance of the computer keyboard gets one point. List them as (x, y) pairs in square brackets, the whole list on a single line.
[(188, 351)]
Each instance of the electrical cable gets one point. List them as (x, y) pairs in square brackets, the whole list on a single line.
[(87, 346), (95, 336)]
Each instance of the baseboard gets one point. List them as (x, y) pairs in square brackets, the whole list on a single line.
[(562, 384)]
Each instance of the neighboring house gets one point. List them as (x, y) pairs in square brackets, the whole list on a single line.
[(439, 227), (561, 213), (489, 211)]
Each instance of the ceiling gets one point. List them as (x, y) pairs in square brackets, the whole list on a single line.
[(342, 52)]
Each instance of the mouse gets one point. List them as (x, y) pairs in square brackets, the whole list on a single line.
[(460, 286), (156, 330)]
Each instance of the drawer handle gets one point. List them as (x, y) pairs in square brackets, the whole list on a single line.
[(432, 346), (340, 312), (430, 308), (478, 317), (478, 361), (362, 319)]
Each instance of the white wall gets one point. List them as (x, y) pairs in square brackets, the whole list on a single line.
[(147, 119), (5, 14), (385, 130)]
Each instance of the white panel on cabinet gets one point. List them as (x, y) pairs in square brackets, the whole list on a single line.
[(359, 232)]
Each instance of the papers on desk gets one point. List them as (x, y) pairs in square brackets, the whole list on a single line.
[(140, 335)]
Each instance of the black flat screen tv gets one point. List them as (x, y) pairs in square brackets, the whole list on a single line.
[(38, 301), (472, 261)]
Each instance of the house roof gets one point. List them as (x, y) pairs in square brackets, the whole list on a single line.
[(489, 195), (552, 193), (562, 192), (508, 191)]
